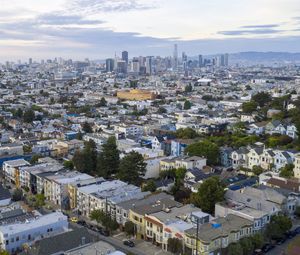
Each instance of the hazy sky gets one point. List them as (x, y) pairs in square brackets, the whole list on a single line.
[(99, 28)]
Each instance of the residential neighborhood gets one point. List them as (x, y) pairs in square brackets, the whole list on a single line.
[(201, 159)]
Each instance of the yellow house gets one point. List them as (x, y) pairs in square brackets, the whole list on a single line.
[(213, 237), (297, 166), (167, 164), (136, 94), (139, 223)]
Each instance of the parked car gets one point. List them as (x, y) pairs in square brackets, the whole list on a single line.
[(297, 230), (81, 222), (267, 247), (128, 243), (258, 252), (104, 232), (74, 219)]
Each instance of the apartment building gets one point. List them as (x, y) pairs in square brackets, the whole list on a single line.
[(217, 235), (56, 186), (105, 196), (33, 177), (14, 235), (138, 213), (11, 170)]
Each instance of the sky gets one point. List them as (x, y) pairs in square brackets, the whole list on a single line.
[(97, 29)]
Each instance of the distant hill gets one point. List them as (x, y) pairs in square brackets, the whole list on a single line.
[(264, 57)]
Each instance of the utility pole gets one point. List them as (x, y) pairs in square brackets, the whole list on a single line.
[(197, 236)]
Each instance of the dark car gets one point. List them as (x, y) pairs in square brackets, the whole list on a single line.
[(291, 234), (128, 243), (297, 230), (267, 247), (81, 222), (104, 232)]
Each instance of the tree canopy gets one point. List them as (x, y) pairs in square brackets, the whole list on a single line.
[(205, 149), (287, 171), (108, 160), (132, 167), (262, 98), (210, 192)]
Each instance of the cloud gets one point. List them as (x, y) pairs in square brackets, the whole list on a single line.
[(262, 26), (250, 32), (96, 6), (58, 19)]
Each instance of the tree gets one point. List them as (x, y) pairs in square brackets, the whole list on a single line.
[(257, 240), (187, 105), (257, 170), (29, 116), (278, 226), (34, 159), (161, 110), (3, 252), (247, 246), (86, 160), (19, 113), (188, 88), (287, 171), (103, 102), (132, 167), (205, 149), (104, 219), (210, 192), (235, 249), (129, 228), (39, 200), (150, 186), (69, 164), (249, 107), (17, 195), (175, 245), (262, 98), (109, 159), (87, 128), (186, 133)]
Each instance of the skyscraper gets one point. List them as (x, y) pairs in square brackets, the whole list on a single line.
[(200, 60), (149, 65), (125, 56), (226, 59), (109, 65), (175, 57)]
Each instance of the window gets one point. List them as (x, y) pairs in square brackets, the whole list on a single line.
[(17, 239), (7, 242)]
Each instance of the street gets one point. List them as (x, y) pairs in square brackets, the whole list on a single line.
[(141, 247)]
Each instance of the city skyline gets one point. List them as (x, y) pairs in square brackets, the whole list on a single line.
[(97, 29)]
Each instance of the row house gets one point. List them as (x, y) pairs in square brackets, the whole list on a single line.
[(183, 162), (172, 223), (105, 196), (297, 166), (33, 177), (217, 235), (259, 156), (151, 204), (255, 204), (56, 186), (11, 170)]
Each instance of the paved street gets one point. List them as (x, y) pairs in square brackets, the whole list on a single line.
[(141, 247)]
